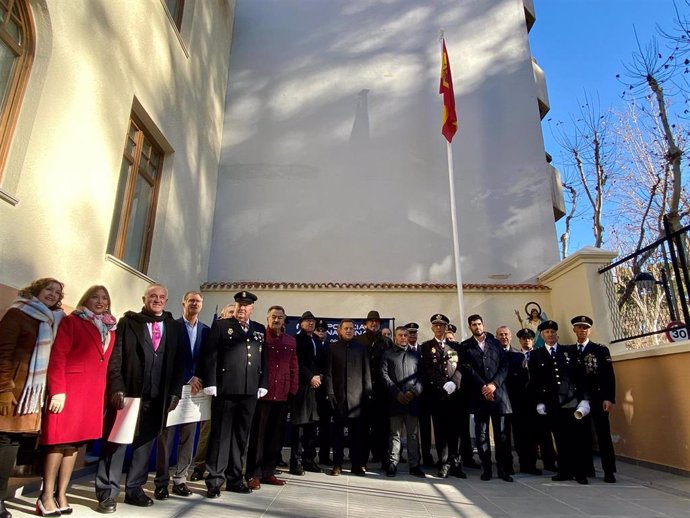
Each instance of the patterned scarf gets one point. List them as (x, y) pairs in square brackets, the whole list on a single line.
[(104, 323), (33, 394)]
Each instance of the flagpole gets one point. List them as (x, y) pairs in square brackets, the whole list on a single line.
[(456, 242), (454, 223)]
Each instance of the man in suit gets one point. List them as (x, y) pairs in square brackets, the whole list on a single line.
[(202, 443), (375, 418), (348, 385), (424, 405), (515, 362), (194, 335), (557, 378), (484, 366), (304, 414), (601, 381), (442, 380), (146, 363), (324, 408), (233, 369)]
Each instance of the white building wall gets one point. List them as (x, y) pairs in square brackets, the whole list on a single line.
[(333, 164), (94, 60)]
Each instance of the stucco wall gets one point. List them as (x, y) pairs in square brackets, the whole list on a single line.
[(651, 421), (334, 167), (94, 61)]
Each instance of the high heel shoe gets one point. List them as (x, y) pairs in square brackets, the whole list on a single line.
[(63, 510), (41, 511)]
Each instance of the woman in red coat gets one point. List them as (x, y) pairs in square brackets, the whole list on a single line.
[(76, 385)]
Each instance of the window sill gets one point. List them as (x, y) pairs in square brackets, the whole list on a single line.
[(128, 268), (8, 198)]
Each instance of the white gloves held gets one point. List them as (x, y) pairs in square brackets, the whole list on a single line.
[(211, 391), (261, 392), (57, 403), (449, 387), (582, 409), (541, 409)]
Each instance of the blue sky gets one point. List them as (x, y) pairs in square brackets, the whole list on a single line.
[(581, 45)]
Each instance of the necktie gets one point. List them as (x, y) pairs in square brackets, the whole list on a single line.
[(156, 335), (553, 353), (527, 355), (580, 348)]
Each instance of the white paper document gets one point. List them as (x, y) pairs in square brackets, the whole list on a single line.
[(126, 422), (190, 409)]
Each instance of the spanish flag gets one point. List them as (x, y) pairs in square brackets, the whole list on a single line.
[(450, 119)]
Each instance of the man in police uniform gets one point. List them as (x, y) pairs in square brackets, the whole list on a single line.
[(558, 380), (233, 370), (601, 381), (442, 380)]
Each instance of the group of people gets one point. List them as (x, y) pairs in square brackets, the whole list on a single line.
[(64, 379)]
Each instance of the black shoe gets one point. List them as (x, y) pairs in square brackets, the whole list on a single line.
[(239, 488), (213, 492), (505, 477), (561, 478), (181, 489), (470, 463), (107, 506), (531, 471), (139, 499), (610, 478), (457, 471), (443, 471), (416, 471), (582, 480), (161, 493), (312, 467), (360, 471), (197, 475), (335, 471), (392, 470), (297, 470), (486, 475)]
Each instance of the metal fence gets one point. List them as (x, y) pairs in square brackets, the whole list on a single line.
[(648, 292)]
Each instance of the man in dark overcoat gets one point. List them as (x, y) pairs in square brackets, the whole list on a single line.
[(146, 363), (484, 366), (304, 414), (233, 369), (348, 385)]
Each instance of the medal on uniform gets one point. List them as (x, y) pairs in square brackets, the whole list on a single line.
[(259, 337), (230, 331)]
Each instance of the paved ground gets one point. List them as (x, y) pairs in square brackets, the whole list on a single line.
[(640, 492)]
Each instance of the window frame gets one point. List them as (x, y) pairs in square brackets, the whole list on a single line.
[(122, 214), (9, 113)]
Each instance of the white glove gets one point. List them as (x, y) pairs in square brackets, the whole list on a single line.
[(57, 403), (541, 409), (211, 391), (582, 409), (449, 387), (261, 392)]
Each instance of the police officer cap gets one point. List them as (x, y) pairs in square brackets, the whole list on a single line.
[(582, 320), (452, 328), (548, 324), (525, 333), (307, 315), (412, 326), (321, 324), (438, 318), (246, 297)]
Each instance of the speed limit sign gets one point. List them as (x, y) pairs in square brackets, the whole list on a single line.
[(676, 332)]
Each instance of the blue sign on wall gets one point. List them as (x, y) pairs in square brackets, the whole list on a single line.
[(292, 326)]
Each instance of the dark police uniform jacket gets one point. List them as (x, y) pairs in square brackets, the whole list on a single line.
[(559, 384), (437, 367), (232, 360), (601, 380)]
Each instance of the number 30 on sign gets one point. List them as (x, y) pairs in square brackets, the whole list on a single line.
[(676, 332)]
